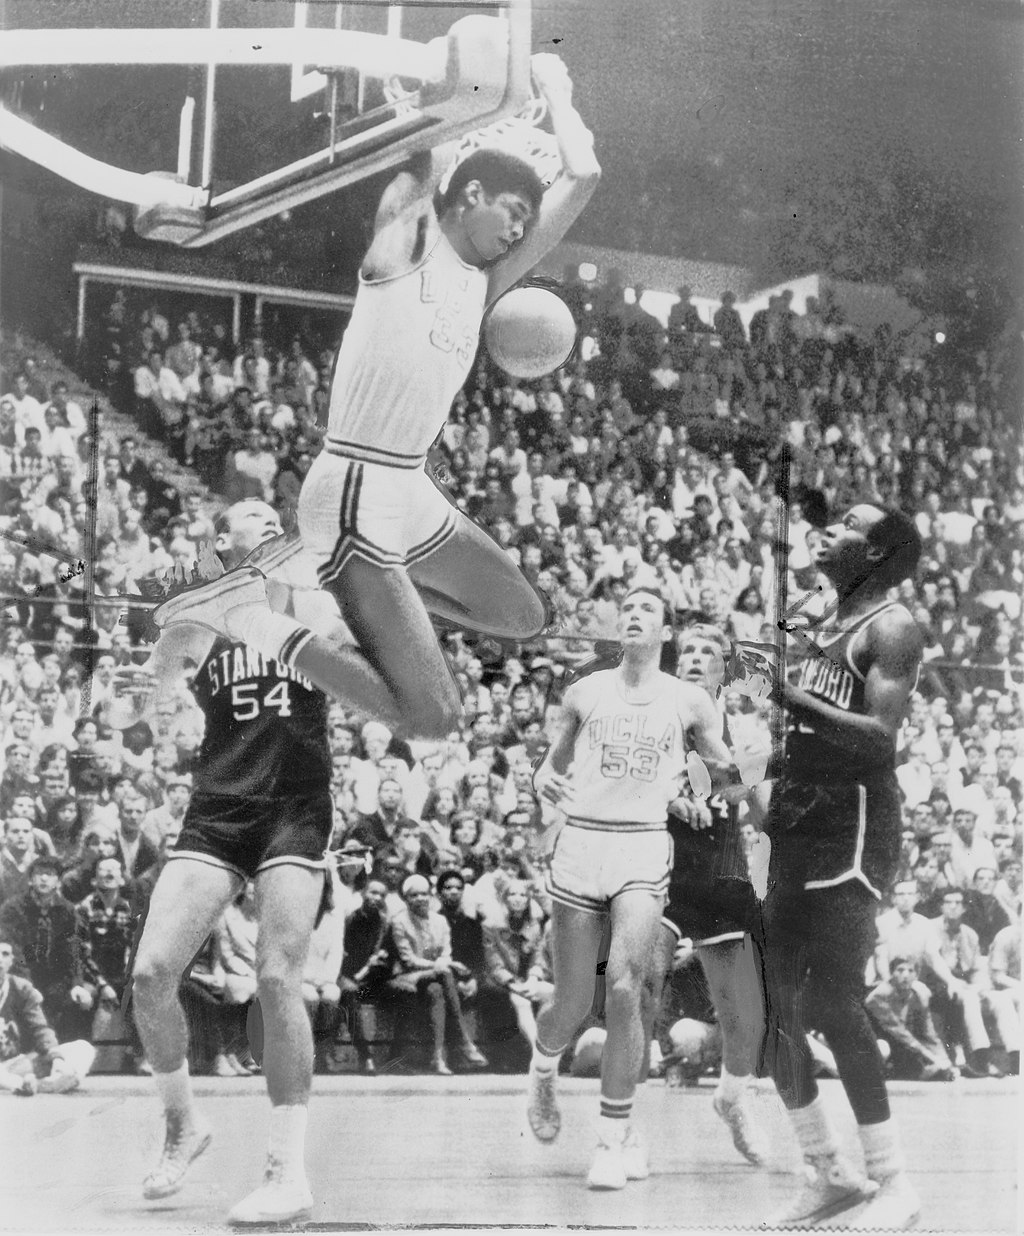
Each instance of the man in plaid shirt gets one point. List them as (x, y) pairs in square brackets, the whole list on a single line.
[(104, 925)]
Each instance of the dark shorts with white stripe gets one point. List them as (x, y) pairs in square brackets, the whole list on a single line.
[(247, 835)]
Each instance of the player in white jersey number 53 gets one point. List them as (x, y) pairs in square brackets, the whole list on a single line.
[(386, 540), (616, 768)]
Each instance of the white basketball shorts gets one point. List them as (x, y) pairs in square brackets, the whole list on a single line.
[(590, 865), (390, 516)]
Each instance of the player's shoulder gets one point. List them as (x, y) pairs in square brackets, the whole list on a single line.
[(893, 634), (691, 698)]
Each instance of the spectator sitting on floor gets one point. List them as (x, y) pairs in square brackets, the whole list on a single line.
[(513, 937), (899, 1010), (423, 967), (467, 933), (364, 967), (31, 1058), (958, 1005), (104, 928), (40, 923)]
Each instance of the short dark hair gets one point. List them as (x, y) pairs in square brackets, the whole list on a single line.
[(447, 875), (667, 610), (45, 862), (897, 536), (498, 172)]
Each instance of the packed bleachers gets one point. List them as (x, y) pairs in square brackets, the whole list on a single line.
[(657, 461)]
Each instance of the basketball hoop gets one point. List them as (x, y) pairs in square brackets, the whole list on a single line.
[(519, 135)]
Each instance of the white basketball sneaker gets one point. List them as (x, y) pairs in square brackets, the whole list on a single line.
[(542, 1106), (832, 1186), (634, 1156), (211, 605), (894, 1208), (280, 1198), (746, 1136), (608, 1171), (181, 1149)]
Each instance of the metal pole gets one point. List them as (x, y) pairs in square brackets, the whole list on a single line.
[(206, 175), (80, 326)]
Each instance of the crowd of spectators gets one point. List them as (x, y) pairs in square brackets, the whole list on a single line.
[(653, 457)]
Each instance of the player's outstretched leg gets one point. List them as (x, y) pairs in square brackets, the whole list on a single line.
[(287, 898), (735, 985), (187, 900), (620, 1155), (576, 941), (832, 1183)]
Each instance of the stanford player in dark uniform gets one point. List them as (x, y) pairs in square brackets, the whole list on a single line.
[(261, 810), (711, 902), (834, 823)]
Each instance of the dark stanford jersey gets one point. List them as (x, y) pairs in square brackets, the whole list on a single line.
[(266, 727), (834, 817), (834, 678), (706, 854)]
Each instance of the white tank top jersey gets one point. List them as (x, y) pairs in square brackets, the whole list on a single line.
[(407, 351), (629, 759)]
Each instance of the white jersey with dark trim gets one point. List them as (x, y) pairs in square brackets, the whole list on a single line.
[(629, 758), (406, 353)]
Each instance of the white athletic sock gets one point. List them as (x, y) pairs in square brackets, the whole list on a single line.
[(612, 1130), (813, 1130), (287, 1142), (275, 635), (883, 1153), (543, 1061), (175, 1090), (730, 1087)]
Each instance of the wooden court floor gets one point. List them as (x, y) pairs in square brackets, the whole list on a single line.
[(438, 1152)]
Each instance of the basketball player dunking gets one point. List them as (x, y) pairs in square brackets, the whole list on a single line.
[(616, 766), (388, 543), (711, 901), (262, 811), (834, 822)]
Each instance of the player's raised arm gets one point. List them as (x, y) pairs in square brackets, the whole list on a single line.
[(895, 645), (405, 222), (566, 198), (550, 780)]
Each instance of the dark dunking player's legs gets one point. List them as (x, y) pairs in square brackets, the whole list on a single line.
[(817, 946)]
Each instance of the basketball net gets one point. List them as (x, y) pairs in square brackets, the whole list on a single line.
[(520, 136)]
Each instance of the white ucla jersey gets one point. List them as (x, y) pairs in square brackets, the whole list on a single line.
[(407, 351), (629, 759)]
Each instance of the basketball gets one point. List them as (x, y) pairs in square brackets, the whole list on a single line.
[(530, 332)]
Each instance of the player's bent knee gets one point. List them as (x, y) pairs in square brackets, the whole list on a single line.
[(153, 976)]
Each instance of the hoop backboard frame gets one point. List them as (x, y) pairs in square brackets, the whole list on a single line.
[(476, 74)]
